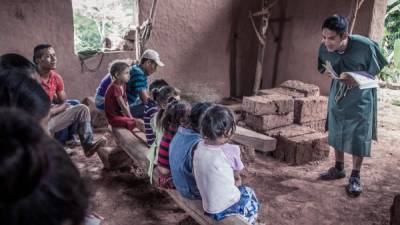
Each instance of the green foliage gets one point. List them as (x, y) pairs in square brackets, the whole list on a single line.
[(96, 19), (86, 34), (390, 74), (392, 25), (391, 42), (396, 102)]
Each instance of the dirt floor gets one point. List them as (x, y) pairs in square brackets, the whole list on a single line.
[(289, 195)]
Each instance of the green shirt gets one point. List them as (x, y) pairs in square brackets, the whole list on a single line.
[(352, 119)]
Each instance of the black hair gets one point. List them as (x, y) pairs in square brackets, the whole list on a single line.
[(12, 60), (118, 66), (177, 113), (144, 60), (37, 51), (18, 90), (39, 184), (157, 84), (217, 121), (163, 96), (195, 114), (336, 23)]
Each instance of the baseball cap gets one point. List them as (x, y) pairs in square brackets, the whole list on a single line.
[(153, 55)]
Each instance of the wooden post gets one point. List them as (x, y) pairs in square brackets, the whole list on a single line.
[(149, 24), (143, 32), (138, 49), (136, 11), (262, 35), (355, 6)]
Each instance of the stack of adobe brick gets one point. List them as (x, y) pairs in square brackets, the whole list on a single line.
[(295, 114)]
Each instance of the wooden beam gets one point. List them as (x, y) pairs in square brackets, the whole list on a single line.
[(261, 47), (255, 140), (138, 151), (355, 6)]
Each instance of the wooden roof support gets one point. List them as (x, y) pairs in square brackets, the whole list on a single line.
[(355, 6), (143, 32), (261, 33)]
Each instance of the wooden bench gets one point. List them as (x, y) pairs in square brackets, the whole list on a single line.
[(134, 146)]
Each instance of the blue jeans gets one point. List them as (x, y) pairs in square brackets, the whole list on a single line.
[(99, 102), (137, 111)]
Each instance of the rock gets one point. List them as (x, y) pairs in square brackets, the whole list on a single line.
[(114, 158)]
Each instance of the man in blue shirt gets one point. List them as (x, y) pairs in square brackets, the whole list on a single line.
[(137, 85)]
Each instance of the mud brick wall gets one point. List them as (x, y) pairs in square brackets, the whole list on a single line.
[(299, 145), (306, 148), (318, 125), (282, 91), (267, 122), (268, 105), (307, 89), (295, 114), (310, 109)]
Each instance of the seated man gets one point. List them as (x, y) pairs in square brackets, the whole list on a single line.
[(137, 85), (62, 114)]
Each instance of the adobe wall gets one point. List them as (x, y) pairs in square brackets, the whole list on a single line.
[(299, 40), (192, 38), (24, 24), (209, 47)]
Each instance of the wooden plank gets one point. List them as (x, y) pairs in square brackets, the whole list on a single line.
[(237, 107), (137, 151), (132, 146), (253, 139)]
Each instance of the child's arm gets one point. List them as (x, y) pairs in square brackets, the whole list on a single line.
[(238, 178), (124, 106), (144, 96)]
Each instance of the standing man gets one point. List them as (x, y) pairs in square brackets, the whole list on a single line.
[(137, 85), (62, 115), (352, 112)]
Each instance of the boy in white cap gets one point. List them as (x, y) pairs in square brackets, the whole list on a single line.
[(137, 85)]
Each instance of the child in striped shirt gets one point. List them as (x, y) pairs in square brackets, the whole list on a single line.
[(162, 97), (150, 109), (177, 113)]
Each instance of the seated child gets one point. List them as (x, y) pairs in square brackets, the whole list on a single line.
[(176, 114), (102, 88), (150, 109), (216, 166), (162, 97), (116, 103), (180, 153), (101, 91)]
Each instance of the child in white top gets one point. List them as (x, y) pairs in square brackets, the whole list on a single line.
[(216, 167)]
